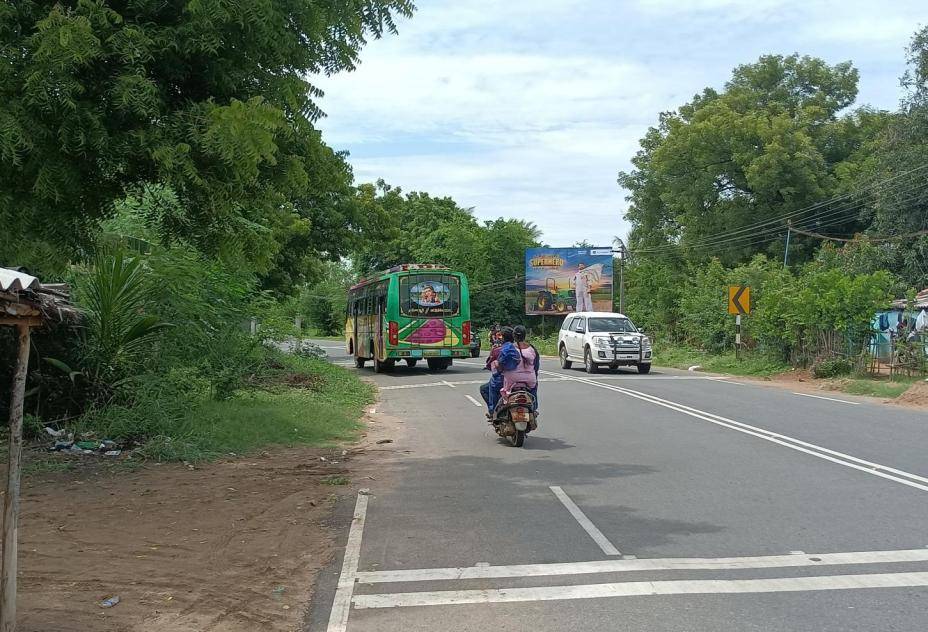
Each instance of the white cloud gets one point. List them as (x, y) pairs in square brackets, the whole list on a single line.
[(529, 108)]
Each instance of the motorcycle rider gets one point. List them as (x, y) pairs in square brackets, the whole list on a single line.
[(490, 390), (532, 357)]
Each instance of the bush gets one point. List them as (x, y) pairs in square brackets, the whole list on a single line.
[(832, 367)]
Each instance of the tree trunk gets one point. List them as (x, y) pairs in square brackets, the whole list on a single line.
[(11, 500)]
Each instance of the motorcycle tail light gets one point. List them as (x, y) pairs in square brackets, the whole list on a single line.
[(394, 333), (465, 332)]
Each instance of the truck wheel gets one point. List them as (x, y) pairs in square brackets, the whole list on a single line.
[(359, 362), (565, 363), (644, 368), (588, 362), (411, 362)]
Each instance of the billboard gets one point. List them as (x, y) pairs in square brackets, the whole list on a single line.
[(563, 280)]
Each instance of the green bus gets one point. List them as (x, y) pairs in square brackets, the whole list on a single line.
[(410, 312)]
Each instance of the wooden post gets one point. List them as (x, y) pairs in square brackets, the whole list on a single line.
[(11, 500)]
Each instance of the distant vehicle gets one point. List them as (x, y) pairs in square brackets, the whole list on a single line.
[(552, 299), (475, 345), (603, 339), (410, 312)]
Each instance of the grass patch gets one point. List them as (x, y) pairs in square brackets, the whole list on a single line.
[(876, 387), (47, 465), (290, 401), (750, 364), (336, 479)]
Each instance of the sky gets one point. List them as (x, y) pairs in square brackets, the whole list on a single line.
[(530, 108)]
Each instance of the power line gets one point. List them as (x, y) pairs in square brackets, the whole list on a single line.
[(863, 238), (777, 220), (727, 237)]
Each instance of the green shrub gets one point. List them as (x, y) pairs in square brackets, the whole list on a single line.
[(832, 367)]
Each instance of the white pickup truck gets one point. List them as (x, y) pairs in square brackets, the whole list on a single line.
[(603, 339)]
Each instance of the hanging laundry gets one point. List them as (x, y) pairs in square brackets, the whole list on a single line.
[(922, 321)]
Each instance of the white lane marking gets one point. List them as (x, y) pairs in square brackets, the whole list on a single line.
[(474, 401), (643, 589), (447, 383), (831, 399), (719, 379), (794, 559), (397, 387), (587, 524), (341, 604), (883, 471)]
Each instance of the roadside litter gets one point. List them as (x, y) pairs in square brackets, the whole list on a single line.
[(110, 602), (68, 445)]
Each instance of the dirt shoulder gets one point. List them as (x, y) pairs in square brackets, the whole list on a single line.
[(233, 545)]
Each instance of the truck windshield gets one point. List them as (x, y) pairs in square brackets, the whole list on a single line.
[(611, 325)]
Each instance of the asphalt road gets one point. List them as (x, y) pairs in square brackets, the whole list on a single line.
[(671, 501)]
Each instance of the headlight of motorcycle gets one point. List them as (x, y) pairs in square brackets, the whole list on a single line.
[(601, 343)]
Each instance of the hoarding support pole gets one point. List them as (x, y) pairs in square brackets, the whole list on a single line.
[(738, 337)]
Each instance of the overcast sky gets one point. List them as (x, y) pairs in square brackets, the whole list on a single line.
[(529, 108)]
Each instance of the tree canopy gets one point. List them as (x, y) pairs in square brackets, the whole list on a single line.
[(771, 143), (209, 98)]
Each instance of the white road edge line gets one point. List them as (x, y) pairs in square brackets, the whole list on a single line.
[(831, 399), (449, 384), (341, 604), (587, 524), (794, 559), (474, 401), (846, 460), (644, 589)]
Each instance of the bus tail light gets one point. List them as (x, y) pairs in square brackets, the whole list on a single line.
[(394, 333), (465, 332)]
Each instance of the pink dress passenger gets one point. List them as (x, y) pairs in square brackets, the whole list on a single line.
[(523, 374)]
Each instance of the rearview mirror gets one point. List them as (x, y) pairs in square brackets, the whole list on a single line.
[(581, 330)]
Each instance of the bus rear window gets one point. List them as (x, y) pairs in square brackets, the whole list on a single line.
[(430, 295)]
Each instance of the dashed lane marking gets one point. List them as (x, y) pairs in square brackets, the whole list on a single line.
[(587, 524)]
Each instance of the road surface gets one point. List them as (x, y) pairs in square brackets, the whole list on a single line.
[(667, 502)]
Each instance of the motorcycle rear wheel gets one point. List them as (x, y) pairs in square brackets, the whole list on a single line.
[(517, 439)]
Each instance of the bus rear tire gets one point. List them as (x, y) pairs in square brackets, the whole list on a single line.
[(411, 362), (438, 364), (382, 366), (359, 362)]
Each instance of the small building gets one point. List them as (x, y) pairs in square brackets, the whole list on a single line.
[(886, 323)]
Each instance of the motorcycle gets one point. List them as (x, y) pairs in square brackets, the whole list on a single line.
[(515, 416)]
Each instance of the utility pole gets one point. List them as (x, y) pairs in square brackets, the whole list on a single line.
[(622, 251), (789, 229)]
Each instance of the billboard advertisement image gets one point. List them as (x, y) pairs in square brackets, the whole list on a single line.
[(563, 280)]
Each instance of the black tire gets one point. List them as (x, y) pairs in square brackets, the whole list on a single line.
[(438, 364), (644, 369), (411, 362), (565, 363), (614, 368), (359, 362), (518, 439), (379, 367), (588, 363)]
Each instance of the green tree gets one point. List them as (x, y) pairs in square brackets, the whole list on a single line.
[(902, 156), (771, 143), (210, 98)]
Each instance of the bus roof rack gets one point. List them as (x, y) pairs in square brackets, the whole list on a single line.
[(417, 266)]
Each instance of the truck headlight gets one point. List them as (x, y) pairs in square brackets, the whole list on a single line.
[(645, 343), (601, 343)]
